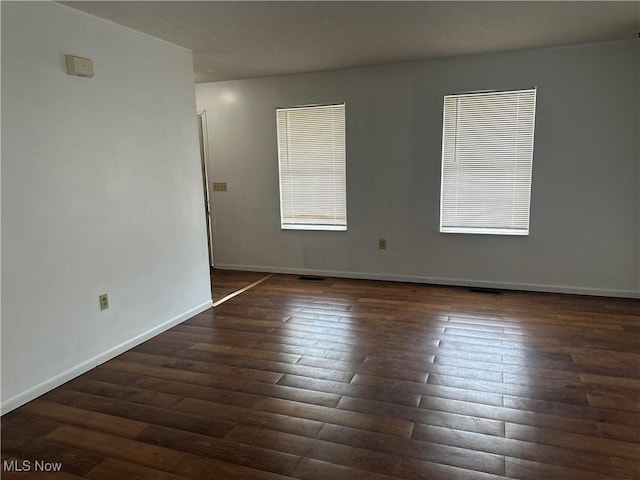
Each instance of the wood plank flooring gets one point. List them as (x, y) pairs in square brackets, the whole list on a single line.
[(353, 379), (225, 282)]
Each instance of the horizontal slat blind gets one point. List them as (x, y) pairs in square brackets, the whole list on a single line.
[(312, 165), (487, 157)]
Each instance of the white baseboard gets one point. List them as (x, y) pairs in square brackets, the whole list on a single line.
[(43, 387), (463, 282)]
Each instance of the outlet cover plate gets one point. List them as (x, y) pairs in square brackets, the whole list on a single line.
[(104, 301)]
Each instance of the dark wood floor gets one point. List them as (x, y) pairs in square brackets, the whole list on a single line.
[(347, 379), (226, 282)]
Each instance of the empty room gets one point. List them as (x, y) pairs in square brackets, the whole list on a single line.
[(320, 240)]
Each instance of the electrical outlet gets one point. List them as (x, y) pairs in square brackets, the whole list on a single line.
[(104, 301), (382, 243), (220, 186)]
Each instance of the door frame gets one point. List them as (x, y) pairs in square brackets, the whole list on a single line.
[(203, 138)]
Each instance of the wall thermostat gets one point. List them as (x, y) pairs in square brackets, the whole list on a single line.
[(79, 67)]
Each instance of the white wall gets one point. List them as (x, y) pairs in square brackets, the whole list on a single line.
[(101, 192), (585, 201)]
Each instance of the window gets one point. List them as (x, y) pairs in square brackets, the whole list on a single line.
[(487, 156), (312, 166)]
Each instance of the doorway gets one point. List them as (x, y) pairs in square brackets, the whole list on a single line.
[(204, 155)]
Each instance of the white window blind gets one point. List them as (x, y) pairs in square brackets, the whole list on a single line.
[(487, 157), (312, 165)]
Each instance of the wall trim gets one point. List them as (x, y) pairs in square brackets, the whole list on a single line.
[(63, 377), (458, 282)]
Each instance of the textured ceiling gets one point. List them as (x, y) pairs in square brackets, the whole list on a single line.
[(234, 40)]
